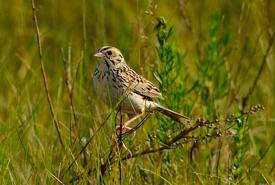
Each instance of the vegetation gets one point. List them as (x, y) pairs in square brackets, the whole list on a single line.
[(212, 60)]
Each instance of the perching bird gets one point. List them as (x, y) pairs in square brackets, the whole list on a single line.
[(116, 82)]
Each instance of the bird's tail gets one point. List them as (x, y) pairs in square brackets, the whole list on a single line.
[(171, 114)]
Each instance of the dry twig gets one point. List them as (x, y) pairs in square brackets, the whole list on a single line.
[(44, 74), (67, 66)]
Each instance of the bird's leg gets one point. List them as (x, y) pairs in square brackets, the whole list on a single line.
[(132, 119), (113, 140), (130, 116), (125, 148), (124, 128), (125, 125)]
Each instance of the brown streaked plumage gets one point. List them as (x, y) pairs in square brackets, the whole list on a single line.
[(140, 85), (114, 79)]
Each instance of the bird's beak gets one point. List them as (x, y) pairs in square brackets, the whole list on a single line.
[(99, 55)]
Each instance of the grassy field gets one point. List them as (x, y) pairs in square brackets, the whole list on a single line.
[(212, 60)]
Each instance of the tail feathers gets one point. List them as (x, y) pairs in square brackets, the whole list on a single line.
[(171, 114)]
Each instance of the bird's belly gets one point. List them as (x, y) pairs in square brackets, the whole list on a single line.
[(133, 103), (107, 92), (130, 103)]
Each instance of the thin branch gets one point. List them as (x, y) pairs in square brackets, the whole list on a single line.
[(183, 135), (270, 43), (173, 143), (169, 145), (44, 74)]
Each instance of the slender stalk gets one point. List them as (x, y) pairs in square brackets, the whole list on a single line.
[(67, 67), (44, 74)]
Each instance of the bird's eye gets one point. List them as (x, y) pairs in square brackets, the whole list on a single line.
[(109, 52)]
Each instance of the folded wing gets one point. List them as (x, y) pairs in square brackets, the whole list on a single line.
[(140, 85)]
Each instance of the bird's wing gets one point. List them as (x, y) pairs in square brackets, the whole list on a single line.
[(140, 85)]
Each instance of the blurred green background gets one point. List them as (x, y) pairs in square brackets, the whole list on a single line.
[(218, 48)]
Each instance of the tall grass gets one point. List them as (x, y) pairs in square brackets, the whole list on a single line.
[(209, 59)]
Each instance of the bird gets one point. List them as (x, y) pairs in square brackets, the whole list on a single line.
[(121, 87)]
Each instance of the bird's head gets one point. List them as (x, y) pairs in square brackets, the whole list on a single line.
[(109, 57)]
